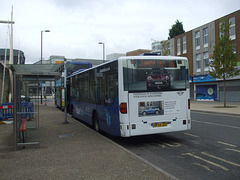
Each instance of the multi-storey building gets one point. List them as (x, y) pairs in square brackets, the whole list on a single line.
[(18, 58), (156, 46), (115, 56), (198, 46), (137, 52)]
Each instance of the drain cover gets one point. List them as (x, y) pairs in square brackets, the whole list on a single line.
[(65, 135)]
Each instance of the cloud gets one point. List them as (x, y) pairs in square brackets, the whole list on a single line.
[(78, 25)]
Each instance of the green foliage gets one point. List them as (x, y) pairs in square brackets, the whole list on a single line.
[(165, 49), (176, 29), (224, 59)]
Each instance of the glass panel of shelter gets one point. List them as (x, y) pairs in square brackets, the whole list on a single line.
[(27, 101)]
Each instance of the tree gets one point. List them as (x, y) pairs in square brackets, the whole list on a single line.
[(165, 49), (224, 59), (176, 29)]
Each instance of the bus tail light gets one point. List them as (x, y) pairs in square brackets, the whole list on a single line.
[(184, 122), (123, 108), (188, 103)]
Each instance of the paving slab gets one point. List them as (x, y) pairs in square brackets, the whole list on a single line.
[(70, 151)]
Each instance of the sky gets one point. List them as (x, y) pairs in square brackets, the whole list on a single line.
[(77, 26)]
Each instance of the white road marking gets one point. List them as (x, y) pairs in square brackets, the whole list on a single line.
[(193, 135), (211, 113), (205, 122)]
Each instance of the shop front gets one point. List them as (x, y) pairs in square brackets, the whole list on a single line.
[(205, 88)]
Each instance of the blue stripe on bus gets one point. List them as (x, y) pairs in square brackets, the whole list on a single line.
[(108, 116)]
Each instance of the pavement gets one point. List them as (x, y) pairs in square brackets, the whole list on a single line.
[(75, 151), (215, 106)]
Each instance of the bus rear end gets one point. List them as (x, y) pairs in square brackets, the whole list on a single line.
[(153, 95)]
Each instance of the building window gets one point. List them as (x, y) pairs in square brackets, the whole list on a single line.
[(205, 31), (221, 33), (178, 47), (232, 28), (198, 62), (184, 45), (197, 39), (206, 61)]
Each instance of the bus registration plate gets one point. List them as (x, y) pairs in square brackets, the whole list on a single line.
[(162, 124)]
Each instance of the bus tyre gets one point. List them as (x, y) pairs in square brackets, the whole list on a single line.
[(95, 122), (73, 112)]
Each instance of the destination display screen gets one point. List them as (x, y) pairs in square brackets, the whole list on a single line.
[(154, 63), (155, 75)]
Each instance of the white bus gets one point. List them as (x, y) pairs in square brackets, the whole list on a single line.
[(134, 95)]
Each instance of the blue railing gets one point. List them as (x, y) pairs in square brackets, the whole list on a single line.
[(6, 111)]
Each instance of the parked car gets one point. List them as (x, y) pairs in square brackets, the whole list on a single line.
[(26, 99), (151, 110), (158, 78)]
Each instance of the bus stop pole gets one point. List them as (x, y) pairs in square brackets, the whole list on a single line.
[(65, 91), (14, 111)]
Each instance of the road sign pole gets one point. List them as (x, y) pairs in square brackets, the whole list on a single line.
[(65, 91)]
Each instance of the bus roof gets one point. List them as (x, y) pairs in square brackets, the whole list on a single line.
[(154, 57), (77, 62), (134, 57)]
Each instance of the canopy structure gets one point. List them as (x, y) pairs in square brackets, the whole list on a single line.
[(51, 71), (27, 82)]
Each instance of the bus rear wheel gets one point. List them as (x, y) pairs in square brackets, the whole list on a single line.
[(95, 122), (73, 112)]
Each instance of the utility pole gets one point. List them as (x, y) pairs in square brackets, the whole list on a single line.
[(65, 91), (11, 53)]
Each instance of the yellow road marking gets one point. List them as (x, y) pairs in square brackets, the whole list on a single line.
[(173, 145), (218, 158), (191, 135), (203, 166), (235, 150), (226, 144), (162, 145), (207, 161)]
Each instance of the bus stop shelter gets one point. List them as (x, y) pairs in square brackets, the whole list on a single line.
[(27, 93)]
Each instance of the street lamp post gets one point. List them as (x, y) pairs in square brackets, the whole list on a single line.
[(103, 50), (42, 40), (41, 55)]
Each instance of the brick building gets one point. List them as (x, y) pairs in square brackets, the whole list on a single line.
[(137, 52), (198, 46)]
